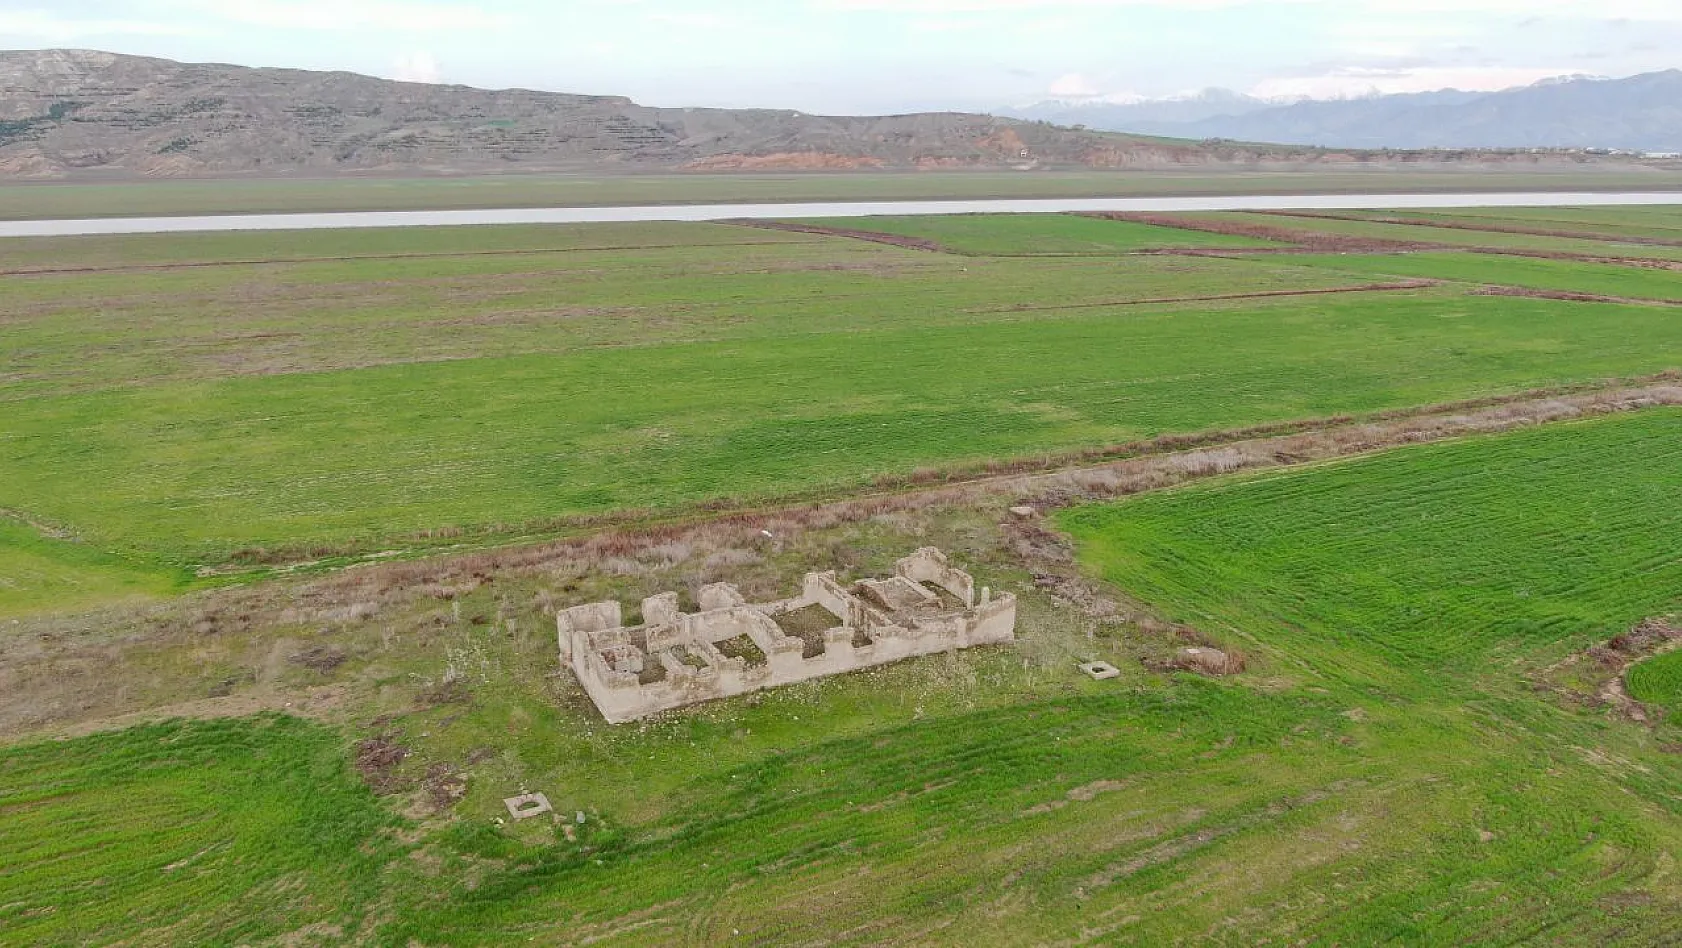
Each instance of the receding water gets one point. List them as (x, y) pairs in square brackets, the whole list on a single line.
[(713, 212)]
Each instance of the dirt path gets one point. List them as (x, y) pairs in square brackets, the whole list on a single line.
[(1299, 241), (1492, 227), (347, 258), (1045, 481), (318, 703), (1570, 296), (1256, 295), (875, 237)]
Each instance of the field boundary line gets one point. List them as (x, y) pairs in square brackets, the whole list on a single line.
[(1492, 228), (349, 258), (1050, 481), (871, 236), (1399, 285)]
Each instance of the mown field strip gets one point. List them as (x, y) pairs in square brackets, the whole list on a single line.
[(208, 832)]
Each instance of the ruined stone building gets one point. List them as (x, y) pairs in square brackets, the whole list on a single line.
[(731, 646)]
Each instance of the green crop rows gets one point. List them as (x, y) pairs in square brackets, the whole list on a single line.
[(215, 832)]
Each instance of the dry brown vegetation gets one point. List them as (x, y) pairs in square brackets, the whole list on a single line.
[(1594, 677), (1299, 241), (875, 237), (1490, 227)]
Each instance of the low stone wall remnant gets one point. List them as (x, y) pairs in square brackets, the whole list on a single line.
[(927, 606)]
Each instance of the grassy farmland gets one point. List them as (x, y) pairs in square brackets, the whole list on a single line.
[(363, 393), (210, 733), (126, 835), (1378, 771), (1658, 682), (1036, 234), (1563, 276)]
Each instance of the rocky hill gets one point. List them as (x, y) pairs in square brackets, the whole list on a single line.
[(83, 113), (1641, 113)]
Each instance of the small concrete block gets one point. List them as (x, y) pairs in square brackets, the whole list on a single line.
[(1101, 670), (527, 805), (1024, 513)]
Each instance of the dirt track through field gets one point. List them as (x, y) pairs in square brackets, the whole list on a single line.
[(1046, 480), (1299, 241), (1396, 286), (875, 237), (1570, 296), (350, 258), (1493, 227)]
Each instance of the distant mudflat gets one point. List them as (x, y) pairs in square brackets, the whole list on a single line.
[(715, 212)]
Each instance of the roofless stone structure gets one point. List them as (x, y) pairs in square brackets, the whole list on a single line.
[(732, 647)]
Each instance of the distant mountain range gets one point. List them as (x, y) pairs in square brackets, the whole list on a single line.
[(1642, 113), (82, 114), (79, 113)]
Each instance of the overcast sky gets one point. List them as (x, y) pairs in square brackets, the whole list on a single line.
[(889, 55)]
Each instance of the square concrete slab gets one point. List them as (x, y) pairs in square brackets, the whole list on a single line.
[(1101, 670), (528, 805)]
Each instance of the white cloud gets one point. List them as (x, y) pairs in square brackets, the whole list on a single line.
[(419, 66), (1358, 81), (1074, 86)]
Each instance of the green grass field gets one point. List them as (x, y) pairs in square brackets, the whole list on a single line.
[(498, 379), (1388, 770), (40, 573), (1035, 234), (1451, 237), (1385, 770), (215, 832), (1483, 269), (1658, 682), (1661, 222)]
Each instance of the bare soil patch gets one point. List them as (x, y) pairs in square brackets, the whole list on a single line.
[(377, 759), (1300, 241), (345, 258), (1594, 677), (1490, 227), (743, 648), (808, 625)]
